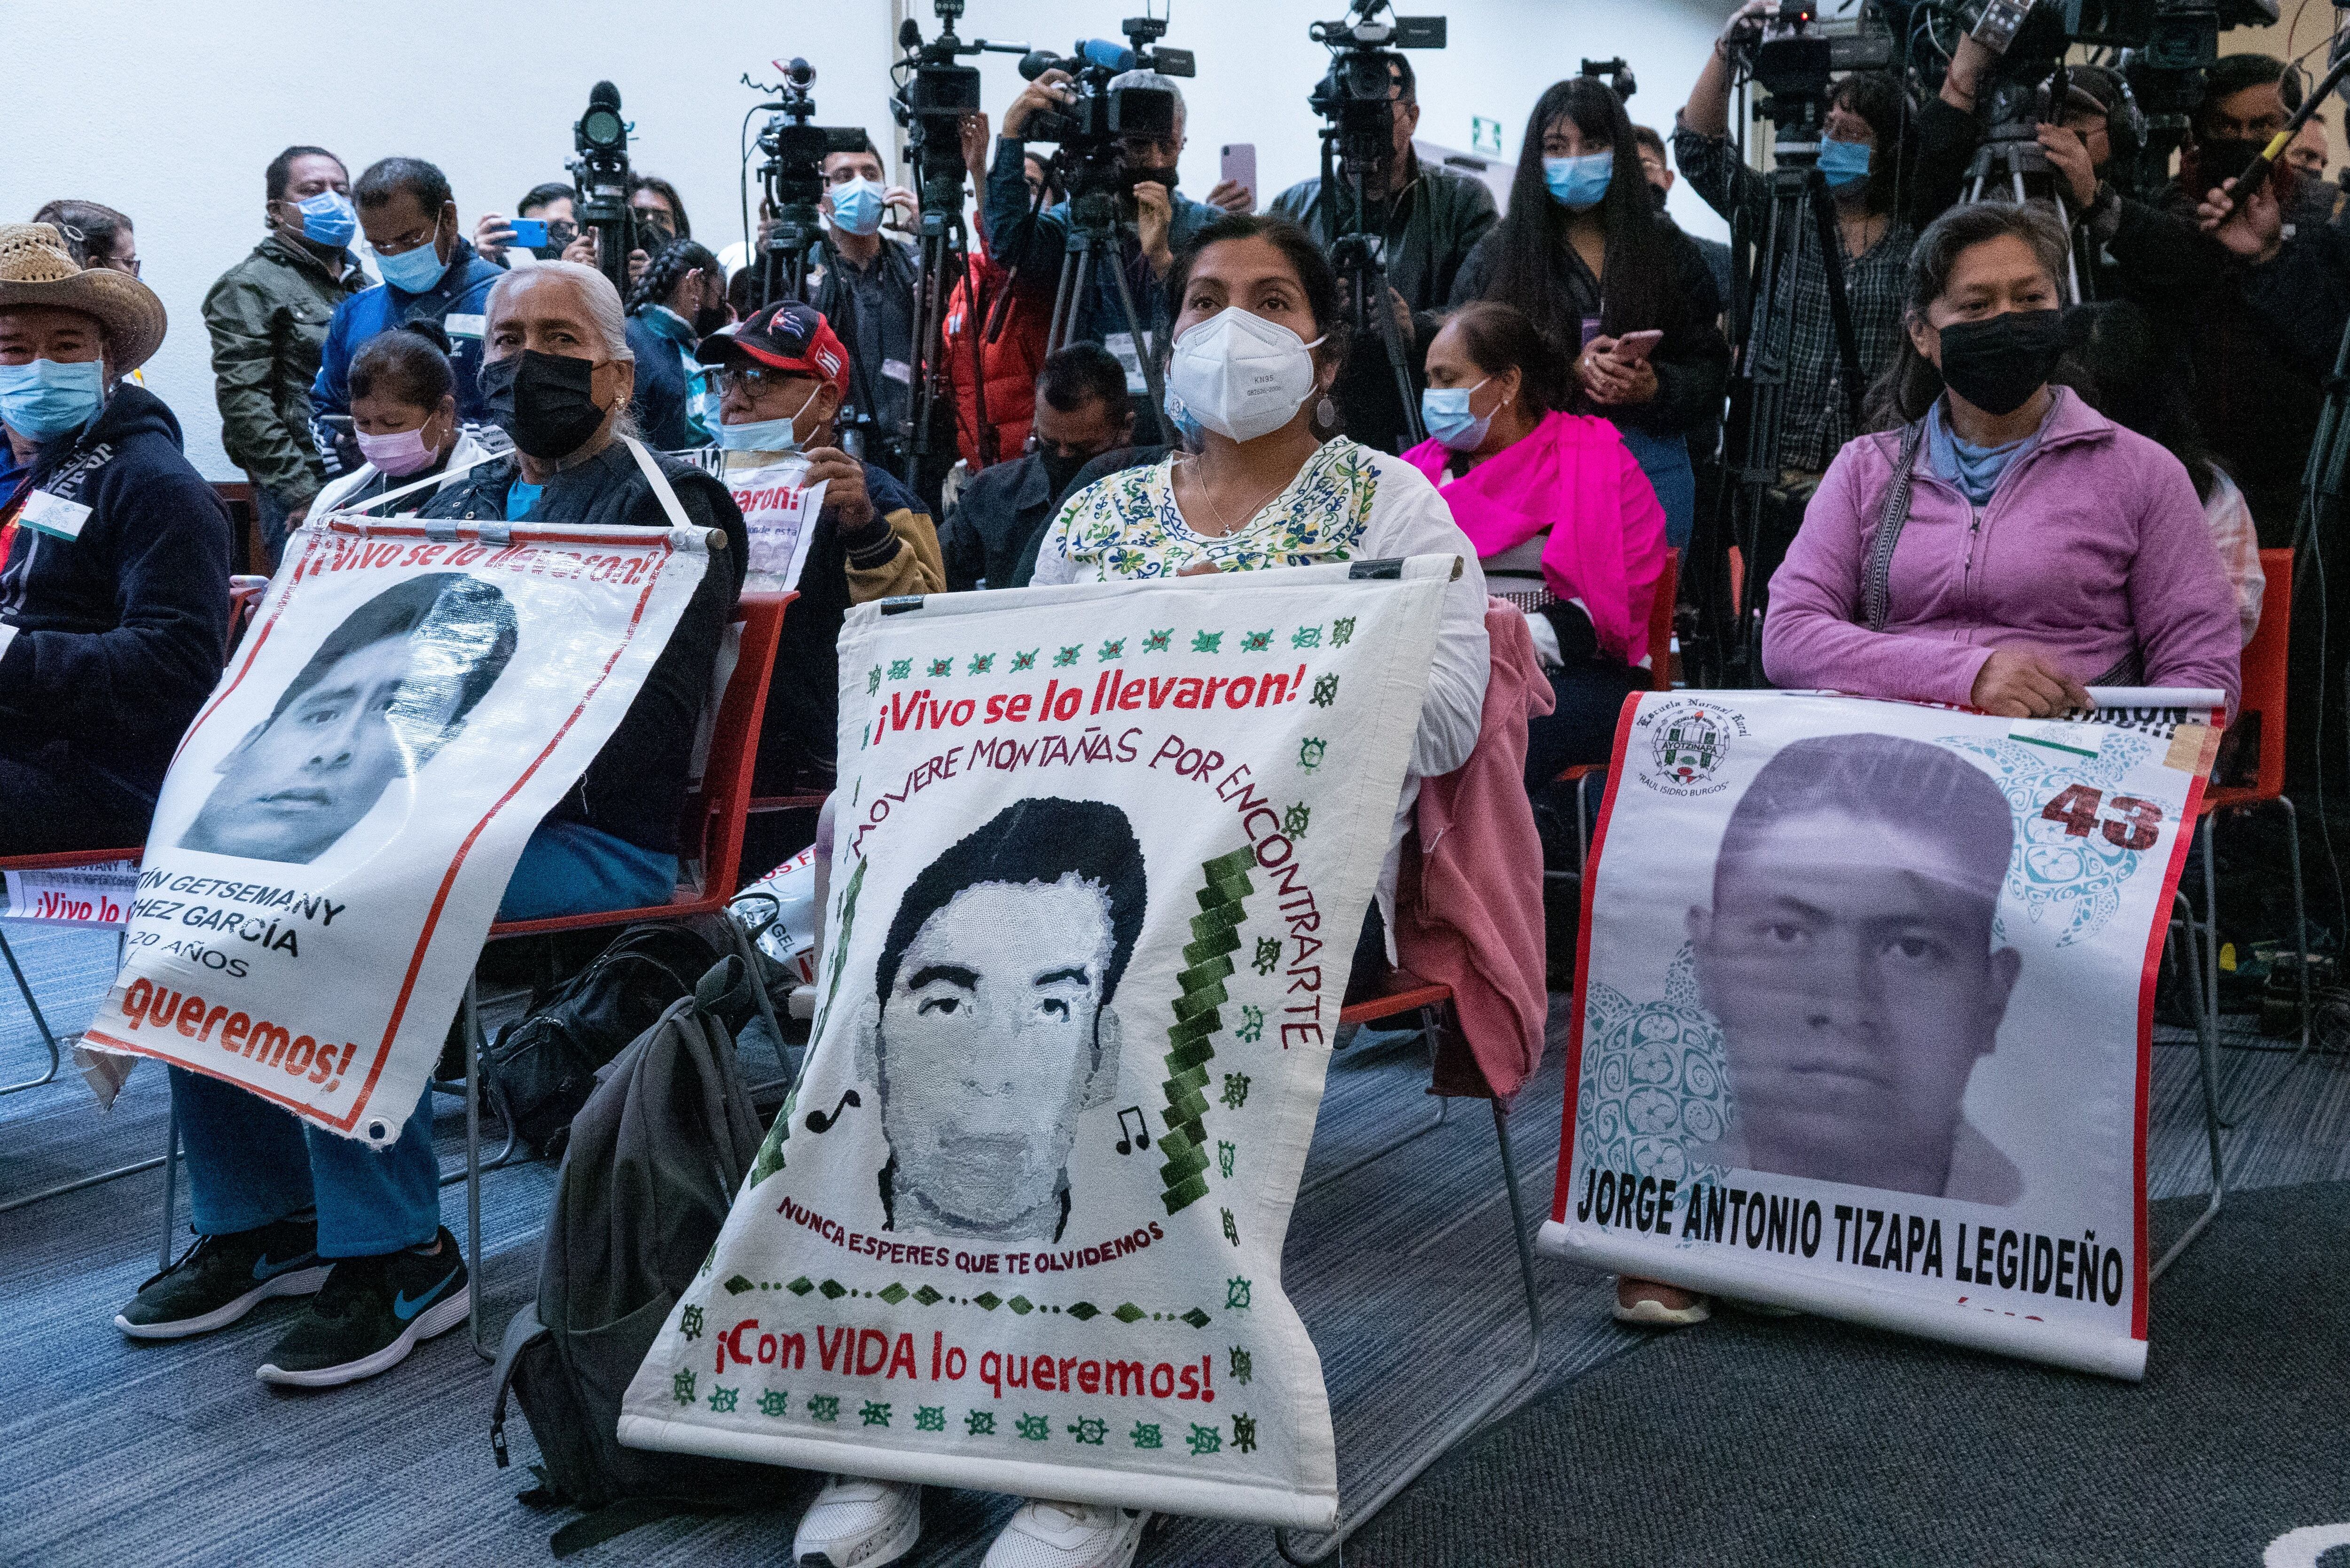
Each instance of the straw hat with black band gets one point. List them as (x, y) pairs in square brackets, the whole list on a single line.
[(36, 269)]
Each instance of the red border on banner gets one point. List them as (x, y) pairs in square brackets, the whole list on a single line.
[(1563, 1189), (640, 538)]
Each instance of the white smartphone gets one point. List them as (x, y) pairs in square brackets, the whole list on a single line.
[(1240, 166), (1637, 345)]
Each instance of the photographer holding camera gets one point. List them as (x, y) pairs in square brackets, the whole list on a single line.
[(1860, 160), (1158, 220), (1430, 220)]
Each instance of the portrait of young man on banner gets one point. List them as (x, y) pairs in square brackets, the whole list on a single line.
[(994, 1029), (1849, 957), (387, 690)]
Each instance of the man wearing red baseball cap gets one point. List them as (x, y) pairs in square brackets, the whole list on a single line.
[(783, 376)]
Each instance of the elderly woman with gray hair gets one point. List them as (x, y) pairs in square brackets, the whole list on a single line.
[(558, 374)]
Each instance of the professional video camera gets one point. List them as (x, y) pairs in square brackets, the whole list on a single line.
[(599, 172), (1356, 100), (792, 178), (1090, 127)]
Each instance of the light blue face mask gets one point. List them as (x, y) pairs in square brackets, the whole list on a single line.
[(1579, 182), (1843, 163), (857, 206), (413, 271), (46, 398), (328, 219), (1187, 424), (762, 435), (1445, 411)]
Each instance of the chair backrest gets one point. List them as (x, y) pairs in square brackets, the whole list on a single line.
[(2264, 670), (714, 813), (1660, 624), (244, 594)]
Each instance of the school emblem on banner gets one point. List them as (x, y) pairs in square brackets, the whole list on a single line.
[(1102, 856)]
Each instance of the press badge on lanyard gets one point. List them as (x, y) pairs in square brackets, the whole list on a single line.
[(53, 515)]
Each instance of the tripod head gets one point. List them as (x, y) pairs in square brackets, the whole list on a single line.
[(599, 172), (933, 94)]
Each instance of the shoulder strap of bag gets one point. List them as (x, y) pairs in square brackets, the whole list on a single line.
[(415, 485), (1876, 592), (660, 482)]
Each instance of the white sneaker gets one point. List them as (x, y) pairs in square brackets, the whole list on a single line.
[(1047, 1534), (858, 1523)]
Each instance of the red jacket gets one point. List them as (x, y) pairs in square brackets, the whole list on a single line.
[(1012, 362)]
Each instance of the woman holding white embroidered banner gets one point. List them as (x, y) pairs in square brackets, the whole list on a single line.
[(281, 1209), (404, 416), (1585, 254), (1565, 525), (2035, 547), (1255, 347)]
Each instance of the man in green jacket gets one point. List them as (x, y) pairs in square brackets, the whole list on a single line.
[(267, 315), (1427, 220)]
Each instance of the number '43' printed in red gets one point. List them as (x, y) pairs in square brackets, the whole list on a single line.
[(2132, 822)]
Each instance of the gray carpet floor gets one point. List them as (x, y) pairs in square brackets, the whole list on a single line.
[(174, 1454)]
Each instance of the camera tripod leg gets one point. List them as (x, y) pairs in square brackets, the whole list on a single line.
[(1145, 349)]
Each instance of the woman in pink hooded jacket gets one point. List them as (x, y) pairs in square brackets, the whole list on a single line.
[(2039, 547)]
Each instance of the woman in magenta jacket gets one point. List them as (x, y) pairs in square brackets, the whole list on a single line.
[(2043, 548)]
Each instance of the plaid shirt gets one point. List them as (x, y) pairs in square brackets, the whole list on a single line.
[(1817, 423)]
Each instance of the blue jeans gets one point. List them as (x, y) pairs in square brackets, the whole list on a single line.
[(1666, 461), (250, 1163)]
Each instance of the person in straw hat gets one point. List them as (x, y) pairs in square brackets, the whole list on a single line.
[(114, 557)]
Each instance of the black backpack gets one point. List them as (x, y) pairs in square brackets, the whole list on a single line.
[(656, 1158), (542, 1066)]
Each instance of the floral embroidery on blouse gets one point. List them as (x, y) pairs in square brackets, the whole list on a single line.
[(1127, 525)]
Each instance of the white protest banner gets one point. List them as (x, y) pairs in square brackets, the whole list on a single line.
[(779, 512), (1102, 857), (341, 821), (96, 894), (1863, 1020)]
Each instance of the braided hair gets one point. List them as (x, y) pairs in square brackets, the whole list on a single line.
[(669, 265)]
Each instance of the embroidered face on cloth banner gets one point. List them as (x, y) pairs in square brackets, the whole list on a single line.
[(341, 821), (1102, 857), (1863, 1020)]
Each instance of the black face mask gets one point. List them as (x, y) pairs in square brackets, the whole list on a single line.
[(710, 318), (1997, 363), (543, 400), (1060, 470)]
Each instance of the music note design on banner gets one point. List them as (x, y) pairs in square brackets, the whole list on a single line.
[(817, 1121), (1141, 1134)]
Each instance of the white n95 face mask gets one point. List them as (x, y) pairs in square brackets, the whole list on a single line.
[(1239, 375)]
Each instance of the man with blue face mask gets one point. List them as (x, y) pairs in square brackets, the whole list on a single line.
[(114, 556), (267, 315), (782, 378), (430, 273), (867, 291)]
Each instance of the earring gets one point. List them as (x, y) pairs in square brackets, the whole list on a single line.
[(1326, 412)]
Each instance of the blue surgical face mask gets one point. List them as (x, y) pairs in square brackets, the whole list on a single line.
[(45, 400), (1843, 163), (857, 206), (1187, 424), (328, 219), (413, 271), (1445, 411), (762, 435), (1579, 182)]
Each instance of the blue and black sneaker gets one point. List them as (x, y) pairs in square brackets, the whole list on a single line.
[(369, 1315), (221, 1278)]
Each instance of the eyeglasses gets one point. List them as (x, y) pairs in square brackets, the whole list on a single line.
[(756, 377), (122, 263)]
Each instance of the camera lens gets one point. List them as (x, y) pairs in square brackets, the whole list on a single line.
[(601, 128)]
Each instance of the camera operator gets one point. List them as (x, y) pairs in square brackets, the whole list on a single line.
[(429, 274), (1429, 220), (554, 204), (660, 210), (867, 292), (1165, 219), (1860, 160), (1584, 252)]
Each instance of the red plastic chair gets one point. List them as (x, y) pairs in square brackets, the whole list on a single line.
[(1660, 678)]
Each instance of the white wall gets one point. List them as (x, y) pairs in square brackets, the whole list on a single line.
[(489, 92)]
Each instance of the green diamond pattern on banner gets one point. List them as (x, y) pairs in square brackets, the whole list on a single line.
[(928, 1296), (895, 1293), (1215, 932), (1127, 1313), (1022, 1305), (833, 1289), (988, 1300), (801, 1286), (1085, 1311), (1196, 1318), (738, 1284)]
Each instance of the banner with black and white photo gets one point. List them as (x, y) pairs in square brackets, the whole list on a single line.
[(341, 821), (1863, 1020), (1101, 860)]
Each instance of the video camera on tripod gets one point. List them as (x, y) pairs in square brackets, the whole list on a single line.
[(599, 172), (793, 179), (1355, 98), (1100, 116)]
